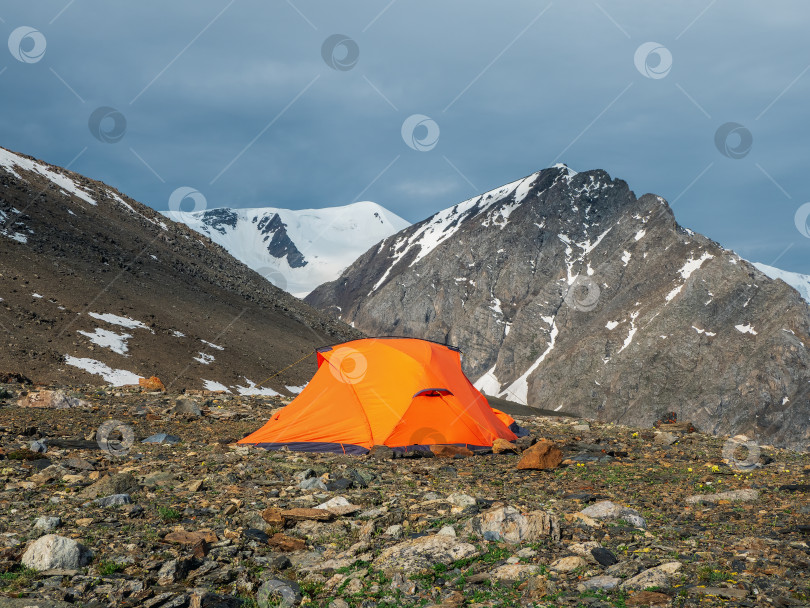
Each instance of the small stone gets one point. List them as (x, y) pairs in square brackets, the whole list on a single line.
[(151, 384), (665, 439), (653, 577), (604, 557), (394, 531), (173, 570), (567, 564), (581, 428), (114, 500), (747, 495), (312, 483), (461, 500), (608, 510), (54, 552), (423, 553), (381, 452), (599, 583), (338, 604), (162, 438), (509, 524), (450, 451), (502, 446), (515, 572), (282, 542), (541, 456), (47, 524), (186, 407), (447, 531)]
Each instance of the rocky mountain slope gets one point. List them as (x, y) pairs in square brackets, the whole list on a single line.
[(296, 250), (565, 291), (95, 287)]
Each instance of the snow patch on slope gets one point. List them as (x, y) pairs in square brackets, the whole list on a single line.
[(10, 161), (116, 377)]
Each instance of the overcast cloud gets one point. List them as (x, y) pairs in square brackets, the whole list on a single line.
[(234, 98)]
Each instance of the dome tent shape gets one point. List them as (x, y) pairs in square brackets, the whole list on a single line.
[(400, 392)]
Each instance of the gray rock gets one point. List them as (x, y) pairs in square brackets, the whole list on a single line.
[(38, 446), (653, 577), (114, 500), (313, 483), (510, 525), (514, 572), (599, 583), (394, 531), (120, 483), (447, 531), (162, 438), (746, 495), (611, 511), (186, 407), (624, 569), (665, 439), (423, 553), (338, 604), (278, 593), (47, 524), (52, 552), (174, 570)]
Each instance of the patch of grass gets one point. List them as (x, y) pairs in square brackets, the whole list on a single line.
[(168, 514), (106, 568), (711, 574)]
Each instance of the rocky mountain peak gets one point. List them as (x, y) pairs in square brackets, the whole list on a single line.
[(565, 290)]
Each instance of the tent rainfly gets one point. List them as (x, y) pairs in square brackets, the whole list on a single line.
[(403, 393)]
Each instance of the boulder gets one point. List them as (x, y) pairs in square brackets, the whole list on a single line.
[(52, 552), (542, 455), (423, 553), (510, 525), (58, 400), (746, 495), (151, 384), (611, 511), (652, 577)]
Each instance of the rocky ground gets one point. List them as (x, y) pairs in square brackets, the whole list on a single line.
[(630, 517)]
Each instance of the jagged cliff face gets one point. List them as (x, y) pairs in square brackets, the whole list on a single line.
[(565, 291)]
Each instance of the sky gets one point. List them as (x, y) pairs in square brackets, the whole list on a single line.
[(417, 105)]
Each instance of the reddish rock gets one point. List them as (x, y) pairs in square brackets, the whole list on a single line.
[(542, 455), (273, 516), (450, 451), (183, 537), (307, 514), (151, 384), (502, 446), (282, 542)]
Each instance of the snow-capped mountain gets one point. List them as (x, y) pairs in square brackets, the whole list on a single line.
[(799, 282), (296, 250), (566, 291)]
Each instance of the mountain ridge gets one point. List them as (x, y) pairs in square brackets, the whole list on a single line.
[(563, 273)]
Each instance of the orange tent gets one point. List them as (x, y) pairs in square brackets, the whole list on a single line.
[(398, 392)]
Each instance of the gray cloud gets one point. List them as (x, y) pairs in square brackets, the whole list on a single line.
[(511, 90)]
